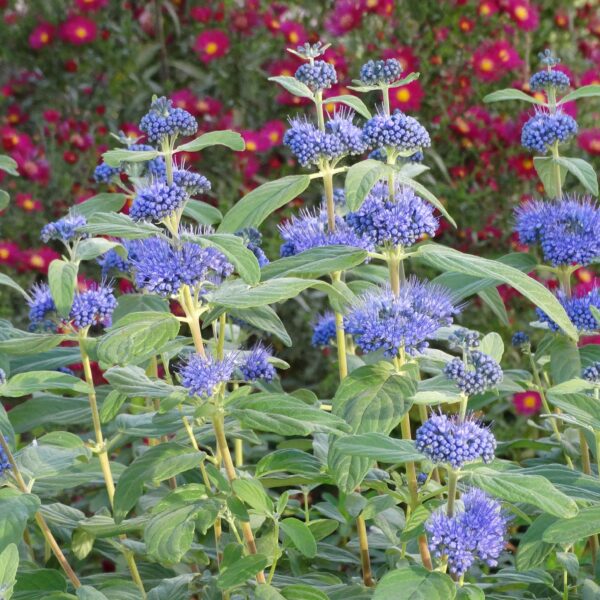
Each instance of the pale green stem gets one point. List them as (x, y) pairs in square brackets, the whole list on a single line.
[(452, 485)]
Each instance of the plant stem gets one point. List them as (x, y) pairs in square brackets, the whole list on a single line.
[(556, 169), (385, 95), (565, 594), (586, 466), (452, 483), (39, 519), (365, 559), (564, 279)]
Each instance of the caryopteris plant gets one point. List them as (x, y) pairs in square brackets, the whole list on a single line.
[(155, 452)]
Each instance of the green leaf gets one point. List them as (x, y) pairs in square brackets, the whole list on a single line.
[(514, 486), (267, 592), (533, 550), (106, 202), (119, 225), (175, 588), (583, 408), (356, 104), (258, 204), (132, 303), (265, 319), (360, 179), (4, 200), (371, 88), (94, 247), (289, 460), (24, 384), (87, 592), (240, 571), (253, 494), (231, 139), (16, 509), (372, 399), (8, 165), (293, 86), (492, 345), (114, 158), (22, 343), (512, 94), (285, 415), (303, 592), (564, 360), (9, 563), (470, 592), (111, 406), (301, 536), (315, 262), (62, 278), (6, 280), (582, 170), (448, 259), (416, 583), (379, 447), (155, 465), (586, 91), (201, 212), (568, 531), (546, 170), (137, 335)]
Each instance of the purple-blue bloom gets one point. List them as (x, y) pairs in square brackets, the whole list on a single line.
[(399, 222), (310, 145), (200, 375), (544, 129), (578, 310), (377, 72), (192, 183), (592, 373), (163, 120), (253, 239), (104, 173), (256, 365), (519, 339), (481, 373), (341, 125), (113, 261), (549, 78), (162, 268), (64, 229), (476, 533), (382, 321), (4, 462), (41, 303), (324, 330), (449, 440), (567, 230), (320, 75), (157, 201), (155, 167), (464, 338), (93, 306), (397, 131)]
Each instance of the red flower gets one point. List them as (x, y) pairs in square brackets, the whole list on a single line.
[(524, 14), (523, 165), (346, 16), (78, 30), (466, 25), (255, 141), (211, 44), (27, 203), (407, 97), (273, 131), (589, 140), (91, 5), (10, 253), (294, 32), (185, 99), (208, 106), (590, 78), (487, 8), (201, 14), (38, 260), (527, 403), (406, 57), (41, 36)]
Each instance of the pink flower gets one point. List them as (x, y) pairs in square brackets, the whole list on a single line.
[(255, 141), (91, 5), (527, 403), (211, 44), (589, 140), (487, 8), (185, 99), (41, 36), (346, 16), (406, 57), (524, 14), (591, 77), (78, 30), (10, 253), (294, 32), (407, 97), (273, 132), (37, 259), (27, 203)]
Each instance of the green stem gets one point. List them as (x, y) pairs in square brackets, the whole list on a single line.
[(452, 485), (385, 95), (276, 557), (556, 170), (565, 593), (464, 402), (564, 279), (365, 559), (319, 108)]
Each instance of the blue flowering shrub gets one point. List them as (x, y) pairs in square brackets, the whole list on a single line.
[(152, 450)]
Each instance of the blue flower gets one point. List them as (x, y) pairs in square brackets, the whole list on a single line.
[(192, 183), (309, 230), (318, 76), (113, 261), (104, 173), (93, 306), (339, 197), (519, 339), (577, 309), (253, 239), (310, 145), (377, 72), (568, 230), (549, 79), (157, 201), (256, 365), (400, 222), (592, 373), (350, 136), (324, 330), (476, 533), (548, 58), (544, 129), (162, 268), (64, 229), (464, 338), (41, 304), (4, 462), (456, 442), (382, 321), (481, 373), (397, 131), (163, 120), (200, 375)]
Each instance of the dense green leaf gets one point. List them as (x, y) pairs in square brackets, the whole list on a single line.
[(355, 103), (512, 94), (416, 583), (582, 170), (119, 225), (94, 247), (87, 592), (301, 536), (258, 204), (288, 460), (293, 86), (240, 571), (380, 447), (62, 277), (202, 213), (48, 410), (265, 319), (24, 384), (253, 494), (564, 360), (7, 281), (585, 91), (568, 531), (4, 200), (533, 550), (22, 343), (105, 202), (546, 170), (174, 588), (267, 592), (16, 509), (303, 592), (492, 345), (114, 158), (231, 139), (133, 303), (9, 563), (8, 165), (584, 409), (360, 179)]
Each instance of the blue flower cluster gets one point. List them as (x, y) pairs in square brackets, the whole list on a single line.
[(41, 303), (592, 373), (104, 173), (568, 230), (256, 365), (163, 120), (383, 321), (377, 72), (549, 79), (253, 240), (155, 167), (162, 268), (351, 137), (455, 442), (112, 261), (464, 338), (192, 183), (309, 230), (157, 201), (548, 58), (324, 330), (481, 373), (577, 309), (64, 229), (544, 129), (520, 339), (93, 306), (400, 222), (4, 462), (200, 375), (397, 131), (320, 75), (477, 533)]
